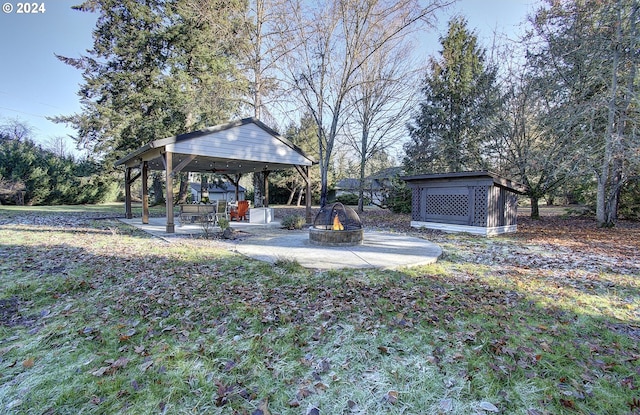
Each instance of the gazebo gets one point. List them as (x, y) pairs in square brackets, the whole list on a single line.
[(231, 149)]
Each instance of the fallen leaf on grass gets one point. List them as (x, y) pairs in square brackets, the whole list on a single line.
[(101, 371), (568, 403), (391, 397), (121, 362), (303, 393), (458, 356), (263, 409), (446, 405), (113, 366), (320, 386), (294, 403), (383, 350), (146, 365), (488, 406)]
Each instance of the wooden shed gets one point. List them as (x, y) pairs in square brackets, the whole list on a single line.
[(476, 202)]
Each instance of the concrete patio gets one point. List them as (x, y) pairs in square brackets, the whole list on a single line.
[(270, 243)]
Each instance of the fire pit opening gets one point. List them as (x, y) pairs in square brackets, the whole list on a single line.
[(336, 225)]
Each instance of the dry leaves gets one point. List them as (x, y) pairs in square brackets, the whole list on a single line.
[(141, 296)]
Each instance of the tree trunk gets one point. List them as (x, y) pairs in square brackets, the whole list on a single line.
[(363, 162), (535, 208), (258, 184), (157, 189), (604, 193), (323, 183), (291, 195), (184, 188), (613, 201), (300, 193)]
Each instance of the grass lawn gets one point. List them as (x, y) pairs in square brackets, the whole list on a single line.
[(97, 317)]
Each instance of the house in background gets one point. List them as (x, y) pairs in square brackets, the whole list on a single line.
[(375, 185), (216, 191)]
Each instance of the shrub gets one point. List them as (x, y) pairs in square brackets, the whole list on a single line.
[(348, 199), (398, 197), (293, 222), (630, 201), (223, 223)]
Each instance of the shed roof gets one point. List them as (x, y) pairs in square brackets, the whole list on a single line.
[(242, 146), (497, 179)]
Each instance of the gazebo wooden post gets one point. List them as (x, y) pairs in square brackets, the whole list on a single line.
[(168, 161), (145, 192), (127, 193)]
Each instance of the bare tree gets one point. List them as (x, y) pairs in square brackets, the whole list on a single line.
[(15, 129), (333, 41), (530, 149), (58, 146), (267, 45), (589, 54), (380, 106)]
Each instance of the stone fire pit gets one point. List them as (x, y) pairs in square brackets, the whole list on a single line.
[(336, 225)]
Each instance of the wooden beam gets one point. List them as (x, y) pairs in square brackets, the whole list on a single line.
[(134, 178), (183, 163), (168, 162), (145, 192)]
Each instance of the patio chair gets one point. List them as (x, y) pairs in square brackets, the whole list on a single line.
[(221, 210), (240, 213)]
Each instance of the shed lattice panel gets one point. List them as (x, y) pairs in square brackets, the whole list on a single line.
[(480, 206), (447, 205), (416, 196)]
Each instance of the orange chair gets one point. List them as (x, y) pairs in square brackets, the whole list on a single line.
[(240, 213)]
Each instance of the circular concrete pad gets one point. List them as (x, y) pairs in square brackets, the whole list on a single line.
[(378, 250)]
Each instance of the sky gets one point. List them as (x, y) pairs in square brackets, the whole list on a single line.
[(35, 85)]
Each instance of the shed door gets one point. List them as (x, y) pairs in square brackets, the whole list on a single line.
[(447, 205)]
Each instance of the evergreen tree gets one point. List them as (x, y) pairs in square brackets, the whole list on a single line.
[(157, 68), (458, 113), (43, 176)]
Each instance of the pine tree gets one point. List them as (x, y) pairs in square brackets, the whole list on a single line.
[(461, 101), (157, 68)]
